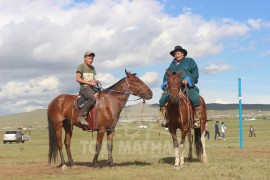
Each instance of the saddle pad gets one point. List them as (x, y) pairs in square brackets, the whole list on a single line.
[(92, 120)]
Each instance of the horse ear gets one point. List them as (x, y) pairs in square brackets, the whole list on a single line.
[(168, 72), (180, 73), (127, 73)]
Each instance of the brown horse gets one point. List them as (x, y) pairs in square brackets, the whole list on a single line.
[(180, 116), (110, 102)]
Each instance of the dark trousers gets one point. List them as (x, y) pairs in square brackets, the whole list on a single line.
[(207, 134), (217, 132), (89, 94)]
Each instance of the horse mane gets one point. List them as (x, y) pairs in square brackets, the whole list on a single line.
[(112, 86)]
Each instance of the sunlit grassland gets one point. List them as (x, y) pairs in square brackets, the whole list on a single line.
[(147, 154)]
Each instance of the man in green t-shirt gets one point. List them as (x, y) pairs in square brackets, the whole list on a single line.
[(86, 77)]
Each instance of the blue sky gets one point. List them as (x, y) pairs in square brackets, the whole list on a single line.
[(42, 42)]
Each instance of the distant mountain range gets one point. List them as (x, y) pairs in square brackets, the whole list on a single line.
[(223, 107), (217, 107), (38, 118)]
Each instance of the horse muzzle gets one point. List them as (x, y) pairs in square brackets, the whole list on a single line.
[(148, 96)]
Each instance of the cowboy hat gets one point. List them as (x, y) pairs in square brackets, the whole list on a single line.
[(178, 48)]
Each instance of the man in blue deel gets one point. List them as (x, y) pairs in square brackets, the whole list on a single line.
[(189, 77)]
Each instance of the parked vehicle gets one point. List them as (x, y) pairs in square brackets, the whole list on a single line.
[(15, 136)]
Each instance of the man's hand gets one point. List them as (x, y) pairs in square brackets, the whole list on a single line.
[(93, 82), (184, 82), (187, 81)]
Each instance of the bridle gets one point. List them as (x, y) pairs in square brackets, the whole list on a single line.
[(180, 92), (126, 92), (181, 95), (136, 88)]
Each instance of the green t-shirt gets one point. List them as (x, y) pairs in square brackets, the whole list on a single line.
[(87, 74)]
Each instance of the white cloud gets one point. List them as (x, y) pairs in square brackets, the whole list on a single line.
[(216, 96), (22, 96), (129, 29), (31, 88), (255, 23), (216, 68), (49, 37), (222, 101), (151, 79), (106, 79), (266, 53)]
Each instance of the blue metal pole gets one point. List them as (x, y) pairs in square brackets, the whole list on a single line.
[(240, 113)]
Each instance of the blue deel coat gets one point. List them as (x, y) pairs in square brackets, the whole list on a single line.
[(189, 69)]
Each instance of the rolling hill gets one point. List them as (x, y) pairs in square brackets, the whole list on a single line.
[(38, 118)]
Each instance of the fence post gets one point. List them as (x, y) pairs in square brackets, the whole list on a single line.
[(240, 113)]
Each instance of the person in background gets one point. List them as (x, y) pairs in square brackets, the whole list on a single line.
[(207, 133), (217, 130), (223, 131), (251, 131)]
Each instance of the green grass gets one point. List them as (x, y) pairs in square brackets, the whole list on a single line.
[(143, 154)]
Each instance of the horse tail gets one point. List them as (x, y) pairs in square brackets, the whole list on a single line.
[(198, 142), (53, 150)]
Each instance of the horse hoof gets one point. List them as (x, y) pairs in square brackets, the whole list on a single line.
[(112, 167), (70, 164), (60, 165), (182, 165), (73, 166), (205, 161), (96, 167), (64, 167)]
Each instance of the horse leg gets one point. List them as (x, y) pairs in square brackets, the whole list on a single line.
[(110, 148), (175, 145), (98, 148), (204, 158), (60, 146), (182, 148), (67, 141), (190, 146)]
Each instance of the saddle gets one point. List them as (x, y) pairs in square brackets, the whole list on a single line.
[(91, 118)]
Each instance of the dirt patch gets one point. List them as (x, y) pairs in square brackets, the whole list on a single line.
[(26, 170), (253, 152)]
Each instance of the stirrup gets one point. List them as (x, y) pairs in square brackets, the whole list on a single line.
[(83, 122)]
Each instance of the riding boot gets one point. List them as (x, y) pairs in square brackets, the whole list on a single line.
[(82, 117), (197, 118), (164, 122)]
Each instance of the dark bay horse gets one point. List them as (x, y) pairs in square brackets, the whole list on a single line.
[(110, 102), (179, 115)]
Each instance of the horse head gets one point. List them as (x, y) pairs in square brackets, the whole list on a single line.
[(174, 85), (137, 86)]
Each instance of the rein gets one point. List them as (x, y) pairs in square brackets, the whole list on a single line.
[(137, 88), (186, 100), (124, 92), (115, 91)]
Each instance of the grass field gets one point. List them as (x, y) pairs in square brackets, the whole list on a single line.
[(143, 154)]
